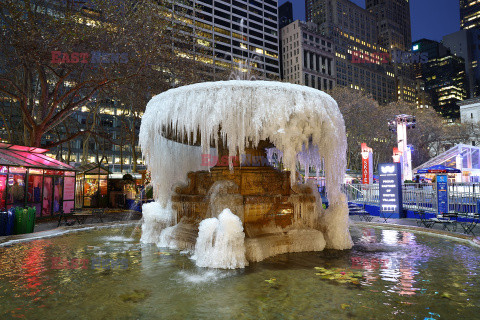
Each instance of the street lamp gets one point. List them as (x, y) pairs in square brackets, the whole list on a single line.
[(401, 123)]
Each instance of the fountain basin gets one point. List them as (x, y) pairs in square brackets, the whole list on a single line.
[(405, 275)]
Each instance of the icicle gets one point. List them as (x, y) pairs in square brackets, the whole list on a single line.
[(304, 124)]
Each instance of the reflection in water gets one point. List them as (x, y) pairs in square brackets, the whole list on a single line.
[(397, 269), (369, 236), (389, 236), (25, 267), (406, 276)]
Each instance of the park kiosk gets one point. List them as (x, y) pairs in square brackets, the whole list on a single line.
[(29, 178), (92, 186)]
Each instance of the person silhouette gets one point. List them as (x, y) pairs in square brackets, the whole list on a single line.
[(17, 194)]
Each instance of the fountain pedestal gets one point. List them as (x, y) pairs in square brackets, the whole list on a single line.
[(277, 215), (261, 196)]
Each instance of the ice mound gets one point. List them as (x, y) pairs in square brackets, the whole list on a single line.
[(155, 219), (221, 242), (335, 223)]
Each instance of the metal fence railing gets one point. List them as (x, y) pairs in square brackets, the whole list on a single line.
[(419, 197), (362, 193), (463, 197)]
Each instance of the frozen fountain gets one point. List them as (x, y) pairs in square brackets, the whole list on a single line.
[(241, 206)]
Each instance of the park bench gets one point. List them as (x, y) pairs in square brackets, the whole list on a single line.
[(470, 222), (447, 220), (98, 214), (423, 220), (65, 216)]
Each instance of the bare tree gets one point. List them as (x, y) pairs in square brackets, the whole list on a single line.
[(366, 121), (57, 56)]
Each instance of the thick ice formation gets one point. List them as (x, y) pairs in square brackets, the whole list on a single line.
[(304, 124), (155, 219), (334, 223), (221, 242), (289, 115), (168, 161)]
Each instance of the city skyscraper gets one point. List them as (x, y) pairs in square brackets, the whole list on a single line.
[(393, 22), (285, 14), (229, 33), (394, 33), (307, 57), (466, 44), (353, 31), (469, 14), (444, 76)]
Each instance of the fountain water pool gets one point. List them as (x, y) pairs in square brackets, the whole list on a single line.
[(238, 118), (404, 275)]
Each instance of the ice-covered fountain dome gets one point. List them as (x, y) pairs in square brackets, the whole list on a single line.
[(237, 117)]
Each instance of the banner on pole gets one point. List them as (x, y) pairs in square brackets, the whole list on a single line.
[(367, 164)]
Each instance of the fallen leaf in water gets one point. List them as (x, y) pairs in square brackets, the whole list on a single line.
[(446, 295), (136, 296)]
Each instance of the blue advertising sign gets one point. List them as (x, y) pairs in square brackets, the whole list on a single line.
[(442, 193), (390, 180)]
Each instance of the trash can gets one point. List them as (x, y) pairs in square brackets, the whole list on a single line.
[(7, 222), (18, 228), (10, 223), (31, 219), (24, 220), (3, 223)]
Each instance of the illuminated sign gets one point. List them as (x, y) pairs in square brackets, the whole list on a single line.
[(397, 155), (367, 164), (442, 193), (388, 169), (416, 47), (390, 188)]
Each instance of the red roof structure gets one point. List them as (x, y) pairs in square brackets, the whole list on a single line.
[(31, 157)]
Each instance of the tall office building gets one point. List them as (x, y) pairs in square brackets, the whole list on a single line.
[(466, 44), (446, 82), (444, 76), (432, 48), (394, 33), (307, 57), (285, 14), (360, 62), (229, 33), (469, 14), (393, 22)]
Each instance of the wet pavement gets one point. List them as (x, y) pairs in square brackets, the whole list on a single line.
[(50, 228), (413, 225)]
